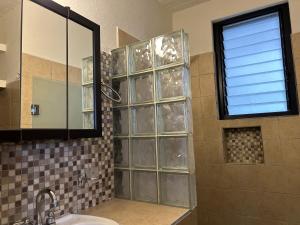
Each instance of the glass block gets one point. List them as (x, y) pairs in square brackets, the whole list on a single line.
[(172, 82), (172, 117), (169, 49), (121, 86), (143, 152), (144, 186), (142, 88), (143, 120), (173, 153), (120, 121), (87, 67), (119, 62), (121, 152), (174, 189), (141, 56), (122, 184), (88, 97), (88, 120)]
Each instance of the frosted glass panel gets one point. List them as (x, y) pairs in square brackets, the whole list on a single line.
[(168, 49), (142, 88), (141, 56), (122, 184), (121, 152), (143, 120), (145, 186), (143, 152), (120, 121), (255, 79), (172, 117), (154, 128), (119, 62), (121, 86), (173, 153), (172, 82), (174, 189), (88, 97)]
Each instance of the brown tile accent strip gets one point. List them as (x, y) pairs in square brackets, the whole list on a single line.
[(27, 167), (243, 145)]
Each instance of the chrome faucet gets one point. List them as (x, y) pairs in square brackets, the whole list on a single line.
[(49, 217)]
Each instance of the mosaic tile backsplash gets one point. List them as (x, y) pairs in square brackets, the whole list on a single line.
[(243, 145), (28, 167)]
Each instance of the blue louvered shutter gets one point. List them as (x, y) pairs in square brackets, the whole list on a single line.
[(254, 70)]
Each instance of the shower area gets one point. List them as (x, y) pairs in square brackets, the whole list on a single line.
[(153, 143)]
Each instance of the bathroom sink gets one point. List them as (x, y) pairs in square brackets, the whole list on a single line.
[(74, 219)]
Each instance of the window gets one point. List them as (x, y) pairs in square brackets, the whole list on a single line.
[(255, 71)]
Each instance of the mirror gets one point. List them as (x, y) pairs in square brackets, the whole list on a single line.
[(43, 98), (50, 72), (10, 36), (81, 78)]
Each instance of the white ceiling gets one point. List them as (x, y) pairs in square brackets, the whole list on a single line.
[(176, 5), (6, 5)]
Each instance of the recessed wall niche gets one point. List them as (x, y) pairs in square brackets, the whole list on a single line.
[(243, 145)]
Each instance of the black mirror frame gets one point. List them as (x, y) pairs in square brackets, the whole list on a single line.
[(38, 134)]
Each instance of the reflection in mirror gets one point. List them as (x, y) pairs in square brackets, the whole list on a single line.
[(43, 101), (81, 92), (10, 36)]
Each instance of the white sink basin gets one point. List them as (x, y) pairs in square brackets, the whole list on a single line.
[(74, 219)]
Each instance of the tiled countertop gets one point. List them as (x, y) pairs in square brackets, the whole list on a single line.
[(137, 213)]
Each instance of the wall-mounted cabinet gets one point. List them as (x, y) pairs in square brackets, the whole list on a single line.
[(56, 87)]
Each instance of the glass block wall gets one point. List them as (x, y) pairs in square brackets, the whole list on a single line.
[(152, 125)]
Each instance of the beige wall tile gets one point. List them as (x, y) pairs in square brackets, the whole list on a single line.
[(293, 180), (270, 128), (58, 71), (195, 87), (194, 66), (274, 206), (210, 129), (251, 203), (293, 209), (297, 72), (291, 151), (239, 177), (202, 216), (272, 151), (272, 178), (207, 85), (263, 221), (208, 175), (296, 45), (35, 66), (75, 75), (209, 107), (212, 152), (206, 64), (289, 127)]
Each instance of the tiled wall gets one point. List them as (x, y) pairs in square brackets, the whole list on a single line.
[(28, 167), (10, 106), (33, 66), (229, 194)]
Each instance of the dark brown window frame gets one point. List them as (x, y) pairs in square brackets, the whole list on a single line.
[(289, 72)]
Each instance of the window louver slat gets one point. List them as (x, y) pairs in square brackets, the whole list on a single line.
[(254, 71)]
